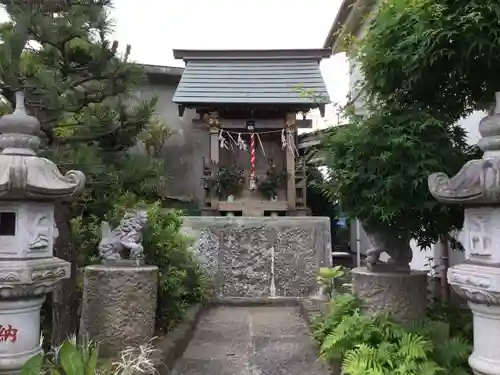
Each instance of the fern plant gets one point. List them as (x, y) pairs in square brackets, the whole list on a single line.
[(340, 306), (375, 345), (450, 351), (408, 355)]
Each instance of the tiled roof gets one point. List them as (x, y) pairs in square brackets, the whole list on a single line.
[(252, 77)]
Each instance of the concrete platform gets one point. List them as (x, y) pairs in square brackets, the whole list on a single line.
[(259, 340)]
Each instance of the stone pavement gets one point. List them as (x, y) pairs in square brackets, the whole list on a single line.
[(251, 341)]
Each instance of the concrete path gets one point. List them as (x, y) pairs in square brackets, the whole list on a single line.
[(251, 341)]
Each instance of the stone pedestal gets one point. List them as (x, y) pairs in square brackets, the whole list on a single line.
[(262, 256), (480, 285), (119, 306), (485, 359), (403, 295), (19, 332)]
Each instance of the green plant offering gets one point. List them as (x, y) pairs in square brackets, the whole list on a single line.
[(275, 179), (225, 181)]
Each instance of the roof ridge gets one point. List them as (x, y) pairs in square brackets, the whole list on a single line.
[(252, 54)]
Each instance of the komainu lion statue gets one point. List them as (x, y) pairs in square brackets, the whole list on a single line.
[(396, 247), (127, 237)]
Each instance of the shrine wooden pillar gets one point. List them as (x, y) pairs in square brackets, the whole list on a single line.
[(213, 122), (290, 160), (214, 145)]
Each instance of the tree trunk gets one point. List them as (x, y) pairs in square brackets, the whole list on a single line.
[(65, 295)]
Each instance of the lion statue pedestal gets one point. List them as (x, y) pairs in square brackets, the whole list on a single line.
[(403, 295), (391, 286), (120, 295)]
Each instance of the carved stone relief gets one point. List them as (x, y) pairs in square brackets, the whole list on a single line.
[(9, 276), (24, 290), (482, 228), (40, 229), (480, 282), (55, 273), (477, 295), (40, 235), (476, 283)]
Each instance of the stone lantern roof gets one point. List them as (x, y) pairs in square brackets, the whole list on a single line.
[(478, 181), (24, 175)]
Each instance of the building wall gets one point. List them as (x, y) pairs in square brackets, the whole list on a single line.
[(186, 148), (422, 259)]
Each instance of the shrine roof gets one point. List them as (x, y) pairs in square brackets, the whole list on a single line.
[(214, 77)]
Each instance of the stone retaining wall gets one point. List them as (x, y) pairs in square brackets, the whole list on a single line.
[(262, 256)]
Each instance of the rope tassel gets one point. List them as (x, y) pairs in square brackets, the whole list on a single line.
[(241, 143), (222, 141), (283, 139)]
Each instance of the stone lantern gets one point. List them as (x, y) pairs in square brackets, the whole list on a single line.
[(29, 187), (477, 187)]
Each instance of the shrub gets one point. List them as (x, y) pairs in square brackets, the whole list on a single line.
[(458, 318), (375, 345), (181, 279)]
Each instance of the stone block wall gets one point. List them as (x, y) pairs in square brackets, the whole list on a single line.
[(262, 256)]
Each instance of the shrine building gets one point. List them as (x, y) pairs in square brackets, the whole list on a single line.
[(251, 104)]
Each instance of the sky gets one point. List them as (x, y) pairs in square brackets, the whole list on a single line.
[(155, 27)]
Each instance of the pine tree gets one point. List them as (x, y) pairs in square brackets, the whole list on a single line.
[(79, 87)]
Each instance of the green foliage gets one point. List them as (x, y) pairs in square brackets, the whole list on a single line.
[(181, 280), (458, 318), (323, 325), (82, 91), (74, 80), (376, 345), (425, 64), (68, 359), (379, 165), (72, 359), (327, 277), (316, 201), (440, 54)]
